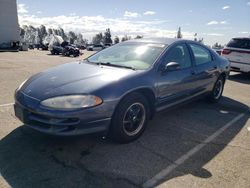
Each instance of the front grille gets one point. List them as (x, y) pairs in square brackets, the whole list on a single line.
[(46, 120)]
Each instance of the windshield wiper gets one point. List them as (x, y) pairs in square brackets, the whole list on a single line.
[(115, 65), (110, 64)]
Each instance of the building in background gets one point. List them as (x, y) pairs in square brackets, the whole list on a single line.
[(9, 28)]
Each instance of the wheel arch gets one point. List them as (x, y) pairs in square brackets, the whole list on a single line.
[(223, 75), (148, 93)]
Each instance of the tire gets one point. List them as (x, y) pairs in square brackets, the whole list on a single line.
[(130, 118), (52, 52), (217, 91)]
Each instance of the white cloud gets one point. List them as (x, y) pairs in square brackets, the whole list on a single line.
[(248, 3), (131, 14), (225, 7), (213, 22), (190, 11), (22, 9), (244, 32), (39, 12), (223, 22), (215, 34), (90, 25), (149, 13)]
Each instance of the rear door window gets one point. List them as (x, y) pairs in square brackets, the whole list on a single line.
[(239, 43), (201, 55)]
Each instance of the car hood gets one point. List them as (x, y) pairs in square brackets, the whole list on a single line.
[(73, 78)]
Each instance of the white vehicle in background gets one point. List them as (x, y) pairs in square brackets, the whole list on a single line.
[(237, 52)]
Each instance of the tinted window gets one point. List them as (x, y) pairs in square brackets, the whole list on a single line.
[(179, 54), (239, 43), (201, 55)]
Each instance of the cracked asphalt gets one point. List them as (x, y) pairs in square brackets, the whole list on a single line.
[(31, 159)]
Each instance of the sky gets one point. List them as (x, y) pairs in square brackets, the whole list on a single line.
[(213, 20)]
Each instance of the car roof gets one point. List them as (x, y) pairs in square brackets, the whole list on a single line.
[(243, 38), (165, 41)]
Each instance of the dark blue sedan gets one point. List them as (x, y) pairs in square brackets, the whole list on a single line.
[(118, 89)]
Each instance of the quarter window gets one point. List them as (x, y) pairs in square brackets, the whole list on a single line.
[(179, 54), (201, 55)]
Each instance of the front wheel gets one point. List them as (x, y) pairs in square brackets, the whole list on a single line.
[(130, 118), (217, 91)]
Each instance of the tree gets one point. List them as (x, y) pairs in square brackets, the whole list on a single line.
[(195, 37), (80, 40), (179, 34), (72, 37), (116, 40), (107, 37), (42, 33), (126, 37), (200, 40), (55, 32), (98, 39), (217, 45), (62, 34), (30, 34), (139, 37), (22, 33), (50, 31)]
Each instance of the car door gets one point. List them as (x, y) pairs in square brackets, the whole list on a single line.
[(175, 85), (205, 67)]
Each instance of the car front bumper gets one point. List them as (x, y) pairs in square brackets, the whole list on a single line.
[(64, 123)]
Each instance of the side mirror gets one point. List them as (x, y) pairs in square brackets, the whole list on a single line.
[(171, 66)]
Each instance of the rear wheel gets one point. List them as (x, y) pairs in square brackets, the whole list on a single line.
[(130, 118), (217, 90)]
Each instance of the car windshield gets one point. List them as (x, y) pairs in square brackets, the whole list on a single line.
[(130, 55)]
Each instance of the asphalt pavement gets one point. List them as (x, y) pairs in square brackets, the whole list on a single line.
[(198, 144)]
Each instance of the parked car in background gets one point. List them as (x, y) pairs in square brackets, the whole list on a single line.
[(218, 50), (95, 47), (118, 89), (55, 44), (31, 46), (24, 46), (82, 47), (59, 46), (237, 51), (107, 45), (56, 50), (71, 50)]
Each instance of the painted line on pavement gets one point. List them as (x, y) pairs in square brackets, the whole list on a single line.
[(165, 172), (4, 105)]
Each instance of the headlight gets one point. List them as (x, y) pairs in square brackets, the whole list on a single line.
[(72, 101), (21, 85)]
